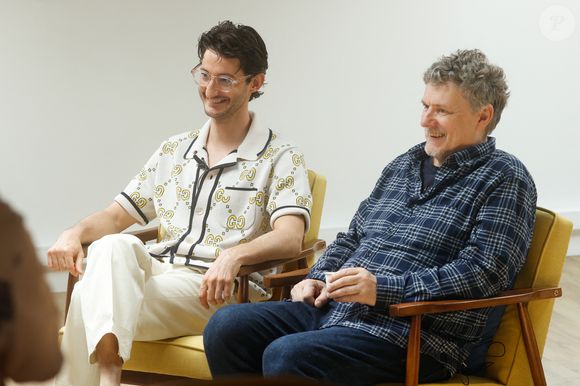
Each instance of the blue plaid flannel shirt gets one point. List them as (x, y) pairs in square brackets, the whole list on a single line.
[(466, 236)]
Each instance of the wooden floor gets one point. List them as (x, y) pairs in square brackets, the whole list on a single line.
[(561, 357)]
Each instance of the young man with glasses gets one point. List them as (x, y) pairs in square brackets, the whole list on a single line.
[(229, 194)]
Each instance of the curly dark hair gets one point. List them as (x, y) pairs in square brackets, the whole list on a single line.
[(236, 41)]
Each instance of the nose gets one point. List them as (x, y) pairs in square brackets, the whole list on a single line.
[(211, 87), (427, 117)]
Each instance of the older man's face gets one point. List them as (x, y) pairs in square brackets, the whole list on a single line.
[(450, 122)]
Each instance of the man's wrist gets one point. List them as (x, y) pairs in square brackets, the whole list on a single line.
[(73, 233), (235, 254)]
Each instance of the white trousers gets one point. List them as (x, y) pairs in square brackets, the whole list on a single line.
[(126, 292)]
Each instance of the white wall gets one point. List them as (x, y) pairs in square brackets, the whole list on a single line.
[(88, 89)]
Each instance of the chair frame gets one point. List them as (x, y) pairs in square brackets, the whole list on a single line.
[(519, 297)]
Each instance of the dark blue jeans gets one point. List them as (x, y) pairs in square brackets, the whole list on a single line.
[(284, 338)]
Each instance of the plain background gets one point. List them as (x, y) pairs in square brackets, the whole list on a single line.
[(88, 90)]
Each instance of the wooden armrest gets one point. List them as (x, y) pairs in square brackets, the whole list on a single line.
[(309, 248), (285, 279), (519, 297), (505, 298)]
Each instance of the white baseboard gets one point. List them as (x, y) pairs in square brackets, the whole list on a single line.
[(574, 246), (574, 216)]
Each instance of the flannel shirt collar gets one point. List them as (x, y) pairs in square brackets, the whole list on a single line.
[(460, 158)]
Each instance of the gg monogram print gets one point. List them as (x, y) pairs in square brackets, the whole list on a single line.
[(203, 210)]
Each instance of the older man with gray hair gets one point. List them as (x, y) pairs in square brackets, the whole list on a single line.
[(451, 217)]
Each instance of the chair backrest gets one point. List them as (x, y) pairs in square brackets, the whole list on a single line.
[(543, 268), (318, 188)]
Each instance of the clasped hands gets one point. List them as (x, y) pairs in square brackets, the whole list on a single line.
[(346, 285)]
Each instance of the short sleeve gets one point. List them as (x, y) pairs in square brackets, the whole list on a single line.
[(289, 191), (137, 197)]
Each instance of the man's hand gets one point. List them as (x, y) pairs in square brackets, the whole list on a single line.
[(310, 291), (353, 285), (67, 254), (217, 283)]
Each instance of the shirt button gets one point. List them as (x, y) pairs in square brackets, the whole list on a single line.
[(199, 211)]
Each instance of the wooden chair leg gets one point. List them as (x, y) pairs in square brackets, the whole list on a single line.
[(243, 289), (534, 360), (413, 351), (286, 292)]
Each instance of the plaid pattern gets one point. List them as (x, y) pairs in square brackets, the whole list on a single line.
[(466, 236)]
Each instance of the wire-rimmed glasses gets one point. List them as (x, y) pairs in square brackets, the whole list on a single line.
[(223, 82)]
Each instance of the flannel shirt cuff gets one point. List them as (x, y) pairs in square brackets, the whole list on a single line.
[(389, 291), (316, 275)]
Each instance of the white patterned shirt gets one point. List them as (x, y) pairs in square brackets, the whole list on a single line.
[(204, 210)]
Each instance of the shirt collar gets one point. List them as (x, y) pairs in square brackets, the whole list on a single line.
[(256, 141), (459, 158), (253, 145)]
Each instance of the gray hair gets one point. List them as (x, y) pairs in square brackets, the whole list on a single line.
[(482, 83)]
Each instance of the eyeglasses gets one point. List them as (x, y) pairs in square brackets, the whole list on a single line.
[(223, 82)]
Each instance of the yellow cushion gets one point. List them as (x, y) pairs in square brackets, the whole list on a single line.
[(183, 356)]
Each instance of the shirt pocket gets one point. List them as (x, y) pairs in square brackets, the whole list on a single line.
[(235, 207)]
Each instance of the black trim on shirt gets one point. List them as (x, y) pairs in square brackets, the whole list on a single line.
[(136, 207), (195, 196), (290, 206), (266, 145), (223, 166), (200, 162), (204, 222), (237, 188), (195, 193), (190, 146), (157, 257)]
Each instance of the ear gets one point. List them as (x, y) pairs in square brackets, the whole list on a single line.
[(485, 116), (257, 82)]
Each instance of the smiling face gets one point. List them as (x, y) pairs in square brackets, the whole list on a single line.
[(451, 124), (219, 104)]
